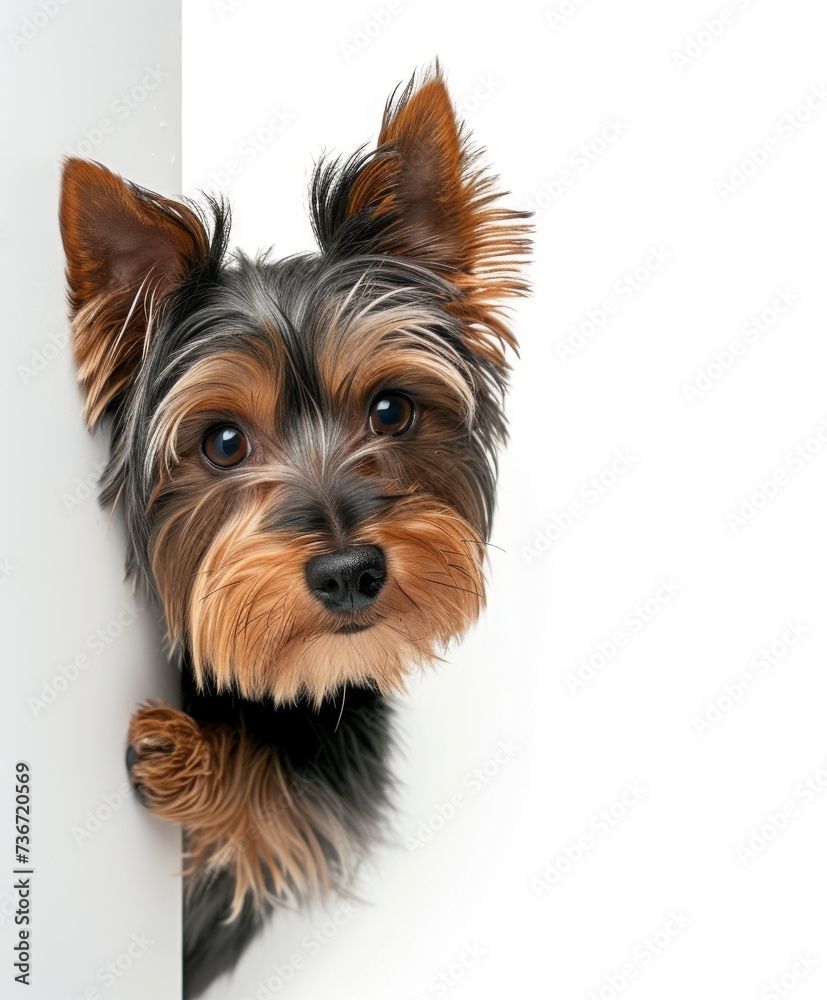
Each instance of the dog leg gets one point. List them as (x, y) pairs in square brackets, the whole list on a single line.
[(239, 810), (258, 831)]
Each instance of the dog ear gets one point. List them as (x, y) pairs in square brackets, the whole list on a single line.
[(421, 195), (126, 249)]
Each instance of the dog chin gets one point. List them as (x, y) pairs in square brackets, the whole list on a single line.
[(370, 655), (376, 656)]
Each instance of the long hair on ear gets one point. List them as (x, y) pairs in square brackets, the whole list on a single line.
[(127, 249), (422, 195)]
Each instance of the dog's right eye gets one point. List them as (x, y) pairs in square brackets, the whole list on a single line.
[(391, 413), (225, 446)]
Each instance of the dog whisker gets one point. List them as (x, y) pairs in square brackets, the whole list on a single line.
[(224, 586), (453, 586)]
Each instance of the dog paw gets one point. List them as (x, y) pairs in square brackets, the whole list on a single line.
[(167, 759)]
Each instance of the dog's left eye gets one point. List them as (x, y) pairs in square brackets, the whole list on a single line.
[(225, 446), (391, 413)]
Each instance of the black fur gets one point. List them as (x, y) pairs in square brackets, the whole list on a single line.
[(344, 745)]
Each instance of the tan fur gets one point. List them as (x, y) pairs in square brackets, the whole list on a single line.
[(232, 382), (252, 624), (425, 172), (383, 346), (239, 810), (126, 249), (234, 590)]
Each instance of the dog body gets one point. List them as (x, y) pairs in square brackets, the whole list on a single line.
[(304, 453)]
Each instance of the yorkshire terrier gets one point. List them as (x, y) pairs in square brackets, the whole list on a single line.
[(304, 451)]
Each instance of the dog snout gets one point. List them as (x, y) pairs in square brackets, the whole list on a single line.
[(348, 579)]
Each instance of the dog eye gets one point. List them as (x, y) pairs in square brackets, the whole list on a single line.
[(225, 446), (391, 413)]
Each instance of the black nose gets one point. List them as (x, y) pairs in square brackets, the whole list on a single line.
[(348, 579)]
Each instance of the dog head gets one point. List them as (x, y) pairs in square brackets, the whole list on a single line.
[(304, 449)]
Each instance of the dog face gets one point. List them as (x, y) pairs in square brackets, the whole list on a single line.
[(304, 449)]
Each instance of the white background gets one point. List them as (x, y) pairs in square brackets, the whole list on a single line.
[(492, 885), (655, 186), (77, 79)]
